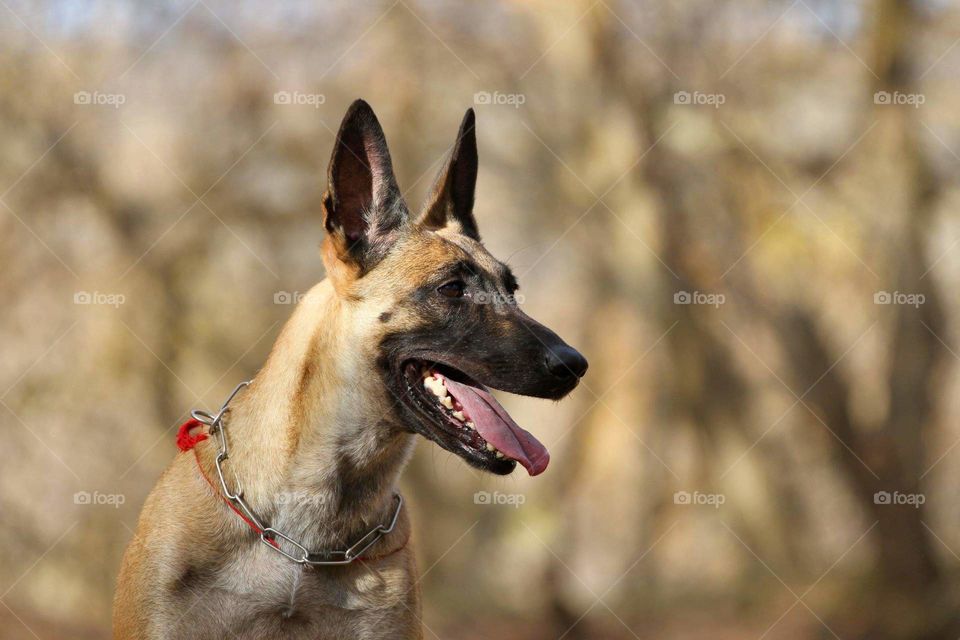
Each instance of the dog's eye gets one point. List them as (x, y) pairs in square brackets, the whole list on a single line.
[(452, 289)]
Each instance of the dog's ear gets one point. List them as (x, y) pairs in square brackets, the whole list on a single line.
[(451, 200), (362, 208)]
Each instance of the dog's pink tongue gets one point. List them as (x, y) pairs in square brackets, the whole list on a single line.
[(497, 427)]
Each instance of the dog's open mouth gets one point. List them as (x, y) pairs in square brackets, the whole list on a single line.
[(463, 417)]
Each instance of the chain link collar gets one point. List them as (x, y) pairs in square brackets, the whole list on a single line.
[(270, 536)]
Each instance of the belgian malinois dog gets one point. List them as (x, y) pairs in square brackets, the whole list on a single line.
[(413, 323)]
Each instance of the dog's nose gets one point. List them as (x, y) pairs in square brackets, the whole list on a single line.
[(564, 362)]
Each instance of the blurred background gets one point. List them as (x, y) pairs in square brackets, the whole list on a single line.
[(742, 212)]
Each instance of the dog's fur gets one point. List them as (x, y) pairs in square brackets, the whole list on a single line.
[(324, 421)]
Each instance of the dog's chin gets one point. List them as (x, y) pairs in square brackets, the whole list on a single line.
[(558, 391), (427, 416)]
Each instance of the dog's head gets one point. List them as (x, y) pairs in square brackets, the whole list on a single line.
[(441, 315)]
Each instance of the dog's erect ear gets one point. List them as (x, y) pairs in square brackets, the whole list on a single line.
[(363, 208), (451, 201)]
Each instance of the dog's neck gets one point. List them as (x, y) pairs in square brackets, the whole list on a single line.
[(313, 439)]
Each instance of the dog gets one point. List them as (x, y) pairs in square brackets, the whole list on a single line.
[(281, 519)]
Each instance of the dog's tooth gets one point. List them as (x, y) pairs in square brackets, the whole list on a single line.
[(491, 448), (435, 386), (499, 454), (470, 424), (458, 415), (447, 402)]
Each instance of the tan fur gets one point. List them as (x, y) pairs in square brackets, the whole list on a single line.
[(191, 572)]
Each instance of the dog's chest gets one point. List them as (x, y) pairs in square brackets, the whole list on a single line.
[(258, 596)]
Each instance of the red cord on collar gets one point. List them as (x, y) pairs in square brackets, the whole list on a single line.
[(185, 442)]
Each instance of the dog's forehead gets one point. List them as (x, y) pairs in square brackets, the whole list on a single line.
[(416, 259), (473, 249)]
